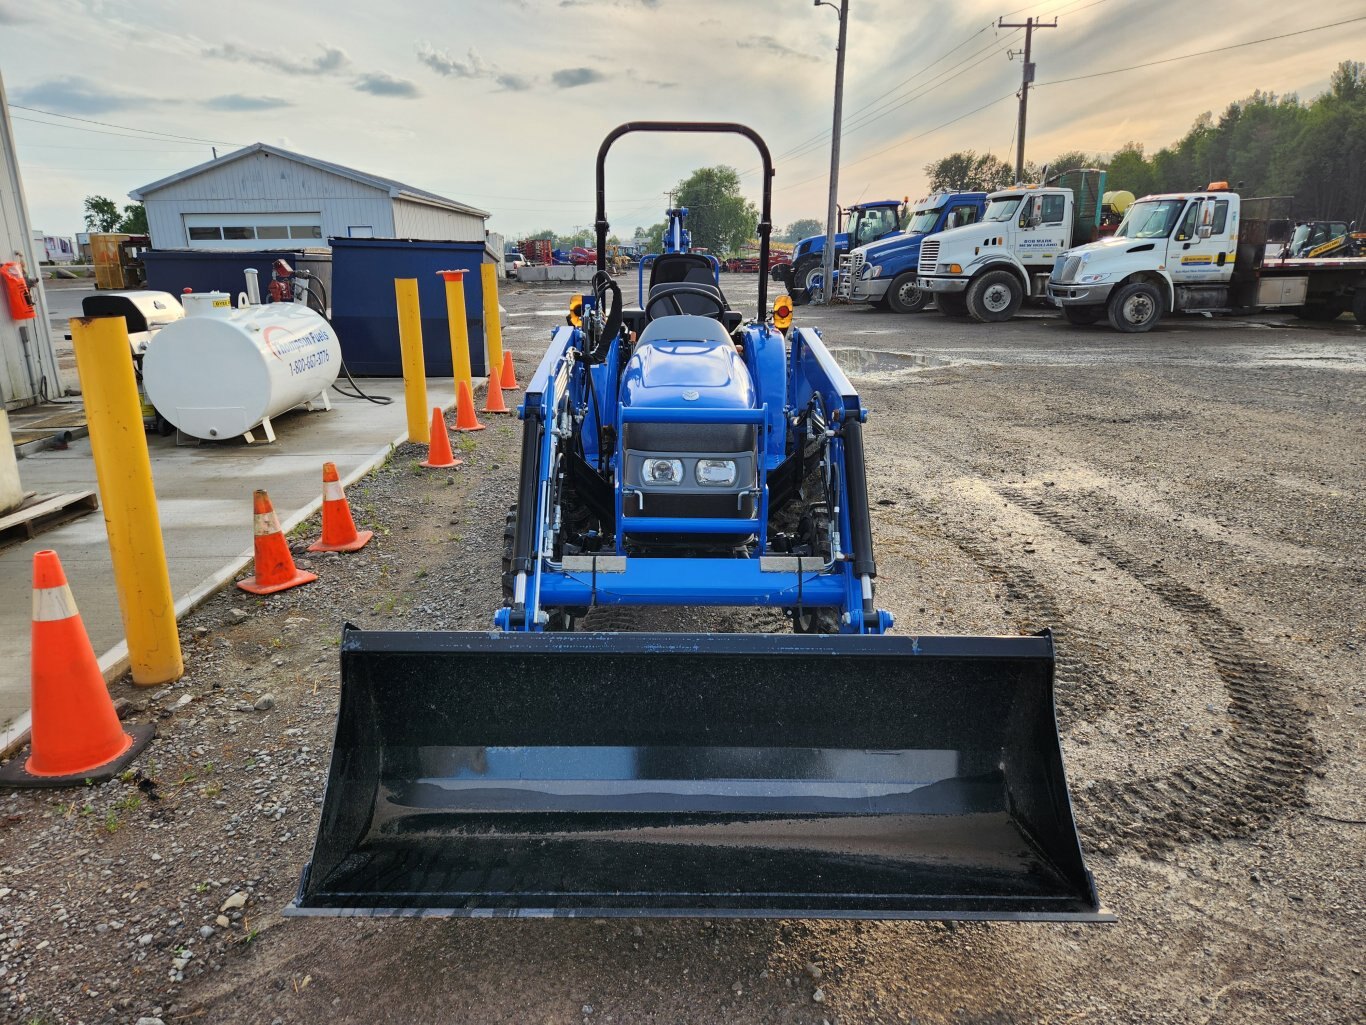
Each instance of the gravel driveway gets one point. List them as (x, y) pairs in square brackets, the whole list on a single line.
[(1183, 508)]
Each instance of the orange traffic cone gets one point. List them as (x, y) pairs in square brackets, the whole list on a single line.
[(275, 569), (339, 529), (508, 378), (439, 454), (493, 397), (465, 420), (76, 732)]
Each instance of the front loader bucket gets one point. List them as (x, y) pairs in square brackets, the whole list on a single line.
[(519, 774)]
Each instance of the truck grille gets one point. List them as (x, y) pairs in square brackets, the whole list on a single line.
[(1066, 267), (929, 256)]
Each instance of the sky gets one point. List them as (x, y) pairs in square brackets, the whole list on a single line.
[(503, 103)]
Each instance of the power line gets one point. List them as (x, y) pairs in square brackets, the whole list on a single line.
[(106, 124), (1203, 53)]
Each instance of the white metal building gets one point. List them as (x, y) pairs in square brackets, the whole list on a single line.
[(28, 364), (264, 197)]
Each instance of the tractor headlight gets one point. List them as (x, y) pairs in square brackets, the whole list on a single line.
[(1091, 279), (872, 270), (663, 471), (720, 472), (950, 268)]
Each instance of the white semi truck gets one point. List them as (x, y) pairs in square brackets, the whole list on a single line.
[(1199, 252), (987, 269)]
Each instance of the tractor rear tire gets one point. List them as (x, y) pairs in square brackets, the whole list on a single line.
[(1084, 316), (801, 271), (994, 297), (904, 297), (951, 304), (1135, 308)]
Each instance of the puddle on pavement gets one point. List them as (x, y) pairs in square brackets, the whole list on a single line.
[(881, 361)]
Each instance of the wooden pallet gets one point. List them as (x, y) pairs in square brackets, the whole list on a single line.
[(42, 512)]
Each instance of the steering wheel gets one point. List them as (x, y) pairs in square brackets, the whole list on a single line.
[(672, 292)]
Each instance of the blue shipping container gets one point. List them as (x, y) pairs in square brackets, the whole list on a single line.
[(174, 270), (365, 311)]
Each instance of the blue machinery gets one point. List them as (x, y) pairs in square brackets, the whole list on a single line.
[(677, 239), (675, 454)]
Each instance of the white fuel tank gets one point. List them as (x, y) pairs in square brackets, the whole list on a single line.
[(221, 374)]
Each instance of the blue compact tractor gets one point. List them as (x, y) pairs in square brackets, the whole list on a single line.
[(682, 453)]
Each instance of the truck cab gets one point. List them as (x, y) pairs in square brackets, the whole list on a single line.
[(1173, 251), (884, 272), (986, 270), (863, 223)]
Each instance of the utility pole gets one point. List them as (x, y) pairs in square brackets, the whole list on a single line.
[(1026, 79), (832, 210)]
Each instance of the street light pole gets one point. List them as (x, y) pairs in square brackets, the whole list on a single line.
[(832, 210)]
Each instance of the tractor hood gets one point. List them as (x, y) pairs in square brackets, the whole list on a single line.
[(686, 363)]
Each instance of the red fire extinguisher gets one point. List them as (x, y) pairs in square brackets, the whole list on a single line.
[(17, 294)]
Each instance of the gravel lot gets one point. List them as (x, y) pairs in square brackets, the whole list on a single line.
[(1183, 508)]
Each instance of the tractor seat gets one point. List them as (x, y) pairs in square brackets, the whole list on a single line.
[(684, 329)]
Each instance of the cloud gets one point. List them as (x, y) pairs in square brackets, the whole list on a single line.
[(772, 45), (572, 78), (13, 14), (656, 83), (379, 83), (331, 60), (473, 66), (237, 101), (443, 63), (73, 94)]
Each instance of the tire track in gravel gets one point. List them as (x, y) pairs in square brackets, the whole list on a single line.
[(1263, 765), (1084, 691)]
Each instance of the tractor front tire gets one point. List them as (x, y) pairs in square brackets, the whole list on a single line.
[(802, 271), (994, 297), (1083, 316), (904, 297), (951, 304), (1135, 308)]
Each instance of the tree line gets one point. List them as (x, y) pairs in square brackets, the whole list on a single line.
[(1264, 145)]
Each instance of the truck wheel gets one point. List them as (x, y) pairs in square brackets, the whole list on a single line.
[(994, 297), (904, 297), (1359, 305), (1322, 312), (802, 271), (951, 304), (1135, 308), (1083, 316)]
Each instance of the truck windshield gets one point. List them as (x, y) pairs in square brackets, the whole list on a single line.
[(1002, 209), (1150, 218), (923, 220)]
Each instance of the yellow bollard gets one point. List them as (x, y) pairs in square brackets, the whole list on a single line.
[(460, 332), (493, 327), (414, 369), (124, 471)]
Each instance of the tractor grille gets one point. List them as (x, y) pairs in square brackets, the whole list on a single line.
[(929, 256), (1066, 268)]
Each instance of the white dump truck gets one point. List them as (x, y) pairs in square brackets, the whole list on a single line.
[(1200, 252)]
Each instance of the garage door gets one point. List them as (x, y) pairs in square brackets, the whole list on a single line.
[(253, 231)]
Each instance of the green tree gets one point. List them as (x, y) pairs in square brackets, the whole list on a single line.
[(134, 220), (544, 233), (1073, 159), (101, 214), (968, 171), (720, 219), (1129, 170), (798, 230)]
